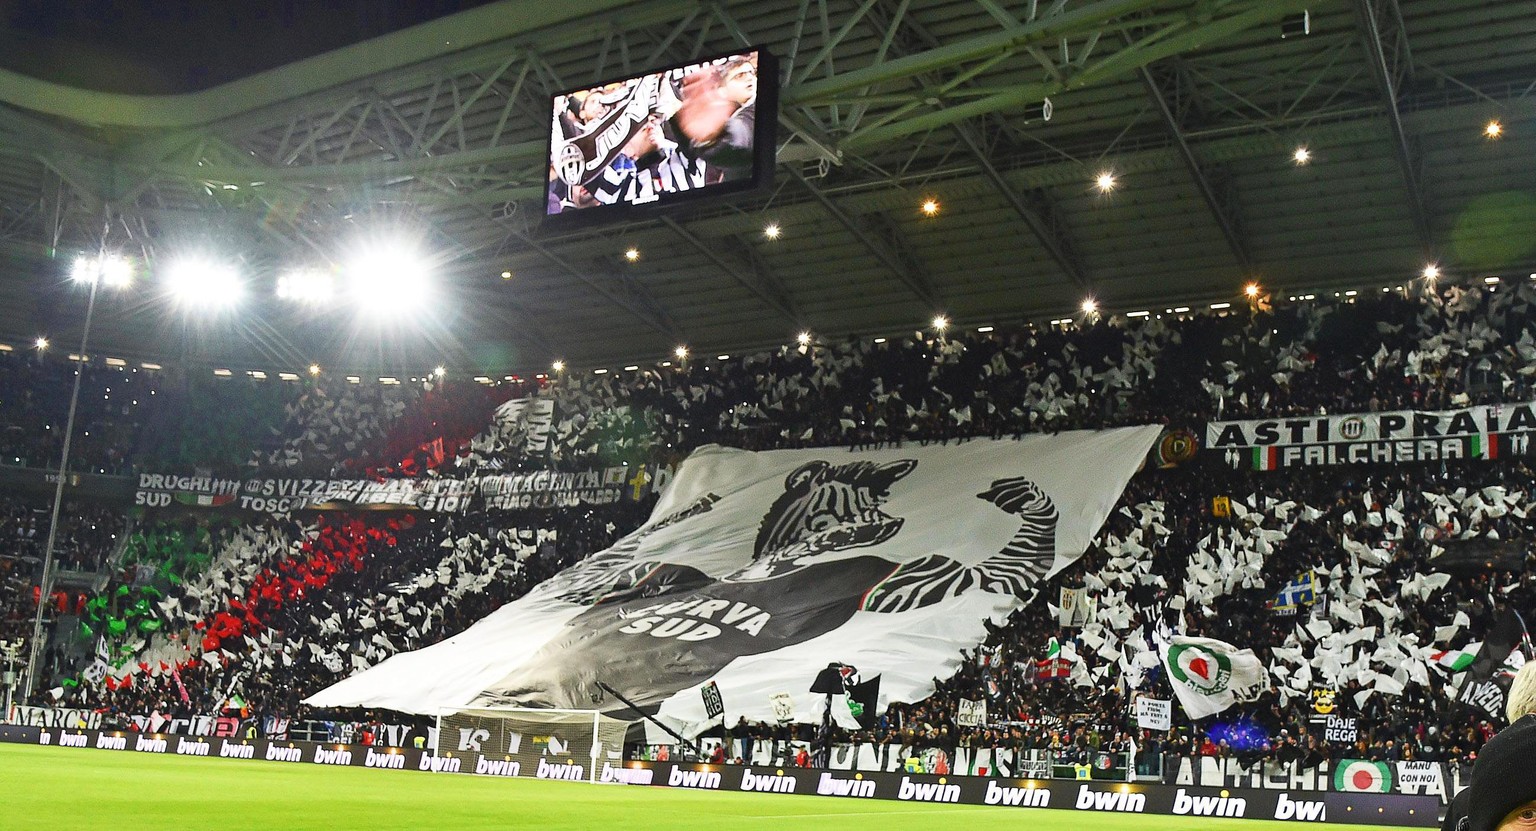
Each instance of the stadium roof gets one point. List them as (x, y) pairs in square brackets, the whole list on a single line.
[(1195, 106)]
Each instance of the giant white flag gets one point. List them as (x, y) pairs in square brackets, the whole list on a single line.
[(1209, 675), (758, 569)]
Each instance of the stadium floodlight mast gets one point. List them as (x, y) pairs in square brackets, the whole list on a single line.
[(94, 271)]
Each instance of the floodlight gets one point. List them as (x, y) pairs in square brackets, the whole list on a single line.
[(1493, 130), (940, 322), (930, 207), (1302, 155), (803, 338), (390, 280), (1105, 181), (772, 230), (681, 352), (107, 269), (1090, 306), (559, 366), (1432, 272), (202, 282), (41, 343), (1251, 290)]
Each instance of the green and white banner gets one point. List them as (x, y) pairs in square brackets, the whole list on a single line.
[(1209, 676)]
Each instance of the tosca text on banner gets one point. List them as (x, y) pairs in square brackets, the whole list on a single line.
[(1482, 432)]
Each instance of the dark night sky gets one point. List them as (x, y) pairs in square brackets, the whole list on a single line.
[(167, 46)]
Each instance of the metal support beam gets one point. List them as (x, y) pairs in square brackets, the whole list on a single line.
[(776, 300), (1219, 211), (1055, 245), (1376, 58), (639, 304), (914, 282)]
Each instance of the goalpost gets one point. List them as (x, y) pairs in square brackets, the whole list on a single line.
[(574, 745)]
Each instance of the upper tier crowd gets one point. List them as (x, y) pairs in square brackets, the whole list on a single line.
[(290, 604)]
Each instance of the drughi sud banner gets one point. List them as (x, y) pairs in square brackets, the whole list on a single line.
[(513, 491), (756, 570), (1482, 432)]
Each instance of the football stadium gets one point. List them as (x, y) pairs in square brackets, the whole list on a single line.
[(471, 414)]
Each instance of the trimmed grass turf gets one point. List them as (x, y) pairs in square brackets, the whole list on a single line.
[(57, 789)]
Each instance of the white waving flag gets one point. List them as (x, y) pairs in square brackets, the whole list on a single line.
[(1209, 675), (758, 569)]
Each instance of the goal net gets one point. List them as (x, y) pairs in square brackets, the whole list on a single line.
[(574, 745)]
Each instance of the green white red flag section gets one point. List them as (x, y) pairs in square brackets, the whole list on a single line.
[(755, 570), (1209, 676)]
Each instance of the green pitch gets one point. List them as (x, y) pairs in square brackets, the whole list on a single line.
[(57, 789)]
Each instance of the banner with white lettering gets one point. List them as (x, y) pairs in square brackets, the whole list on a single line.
[(1154, 714), (759, 569), (1483, 432), (516, 491)]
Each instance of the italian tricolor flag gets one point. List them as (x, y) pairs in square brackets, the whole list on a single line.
[(1456, 660), (1360, 776), (204, 500), (1266, 458), (1484, 446)]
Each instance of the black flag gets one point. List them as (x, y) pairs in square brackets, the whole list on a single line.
[(1484, 686), (863, 699)]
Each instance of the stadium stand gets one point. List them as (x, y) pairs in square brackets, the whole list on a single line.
[(273, 604)]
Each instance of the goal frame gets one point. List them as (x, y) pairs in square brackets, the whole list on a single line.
[(596, 723)]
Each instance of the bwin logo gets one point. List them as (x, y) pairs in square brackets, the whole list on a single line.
[(105, 742), (149, 745), (680, 778), (186, 748), (1209, 806), (284, 754), (437, 764), (928, 791), (332, 757), (568, 772), (236, 751), (626, 776), (490, 767), (1030, 797), (1110, 801), (1300, 809), (77, 740), (829, 785), (392, 761), (774, 783)]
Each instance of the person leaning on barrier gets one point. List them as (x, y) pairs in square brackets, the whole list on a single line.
[(1503, 791)]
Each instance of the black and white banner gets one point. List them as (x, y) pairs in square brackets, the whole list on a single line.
[(759, 569), (1482, 432), (519, 491)]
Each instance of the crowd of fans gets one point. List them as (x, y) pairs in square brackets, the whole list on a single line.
[(296, 603)]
